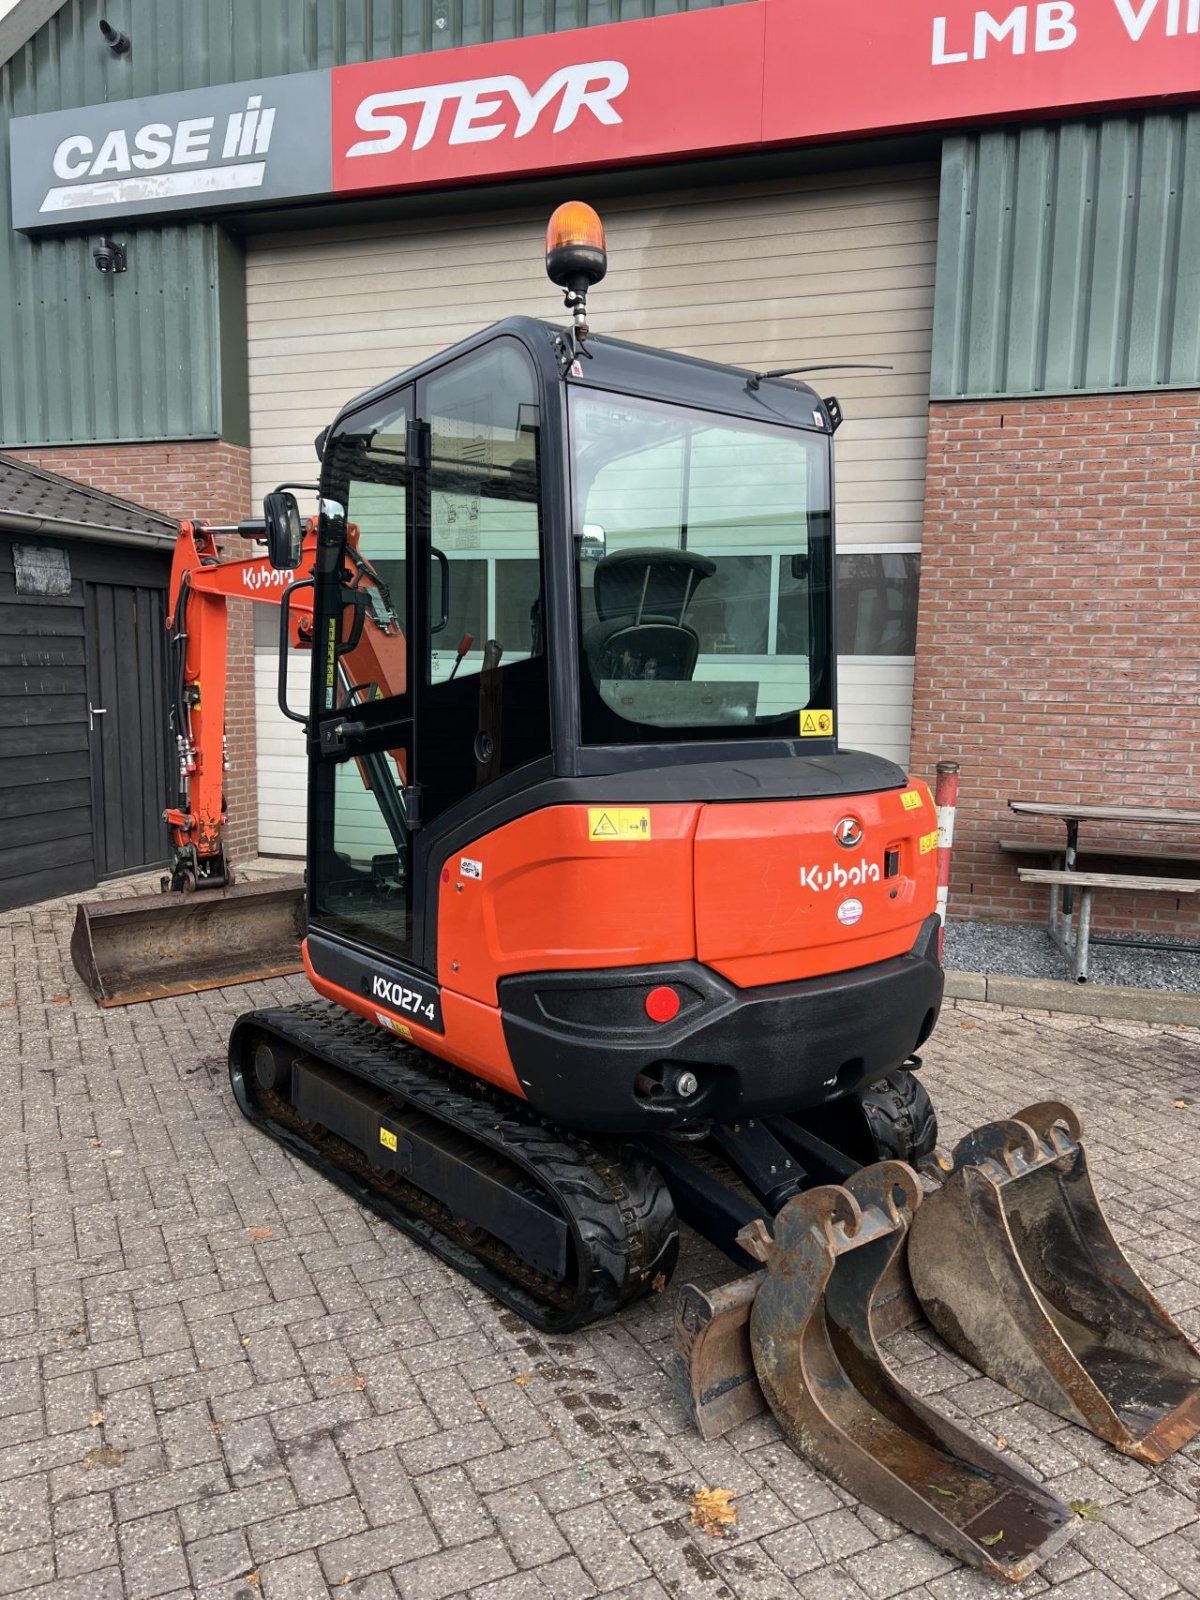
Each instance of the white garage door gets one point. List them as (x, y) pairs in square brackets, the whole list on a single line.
[(821, 267)]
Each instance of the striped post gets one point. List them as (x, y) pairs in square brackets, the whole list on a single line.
[(945, 799)]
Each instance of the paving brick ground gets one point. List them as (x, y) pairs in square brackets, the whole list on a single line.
[(219, 1377)]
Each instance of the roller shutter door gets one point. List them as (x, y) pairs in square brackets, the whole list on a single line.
[(822, 267)]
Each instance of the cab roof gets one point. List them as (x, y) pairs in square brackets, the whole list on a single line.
[(616, 364)]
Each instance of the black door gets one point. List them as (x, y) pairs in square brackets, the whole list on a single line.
[(127, 724), (45, 787)]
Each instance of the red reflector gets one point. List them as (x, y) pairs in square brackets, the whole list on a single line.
[(662, 1004)]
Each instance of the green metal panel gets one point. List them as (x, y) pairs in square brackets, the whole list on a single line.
[(159, 352), (1067, 259)]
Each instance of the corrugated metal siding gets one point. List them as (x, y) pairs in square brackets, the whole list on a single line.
[(833, 266), (137, 357), (1067, 259)]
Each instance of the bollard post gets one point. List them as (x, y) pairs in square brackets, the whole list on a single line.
[(945, 799)]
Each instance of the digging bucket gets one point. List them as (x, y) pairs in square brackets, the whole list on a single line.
[(167, 944), (813, 1349), (1016, 1267)]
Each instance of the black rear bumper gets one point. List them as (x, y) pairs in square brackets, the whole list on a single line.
[(587, 1054)]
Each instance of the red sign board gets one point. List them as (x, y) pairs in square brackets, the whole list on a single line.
[(933, 63), (765, 72), (605, 96), (753, 75)]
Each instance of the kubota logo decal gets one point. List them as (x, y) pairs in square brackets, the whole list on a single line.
[(260, 575), (848, 833), (839, 877)]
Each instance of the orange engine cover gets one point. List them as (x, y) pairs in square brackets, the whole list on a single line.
[(799, 888), (762, 892)]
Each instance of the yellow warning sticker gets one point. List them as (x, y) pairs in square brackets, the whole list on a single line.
[(387, 1138), (816, 724), (928, 842), (618, 822), (911, 799), (401, 1028)]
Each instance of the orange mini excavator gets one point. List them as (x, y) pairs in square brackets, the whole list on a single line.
[(609, 932)]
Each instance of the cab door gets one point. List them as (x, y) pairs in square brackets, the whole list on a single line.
[(430, 682), (362, 738)]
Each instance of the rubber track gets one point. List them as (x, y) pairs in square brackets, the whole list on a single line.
[(615, 1202)]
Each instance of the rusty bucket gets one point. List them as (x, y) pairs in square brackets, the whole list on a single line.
[(813, 1349), (1016, 1267), (168, 944)]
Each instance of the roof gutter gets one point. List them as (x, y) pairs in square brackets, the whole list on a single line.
[(18, 522)]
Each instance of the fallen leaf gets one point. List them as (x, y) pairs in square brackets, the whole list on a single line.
[(968, 1024), (95, 1143), (261, 1233), (1001, 1442), (1181, 1105), (992, 1538), (254, 1579), (342, 1582), (351, 1380), (104, 1456), (946, 1494), (59, 999), (245, 1341), (1089, 1510), (713, 1513), (659, 1282), (96, 1418), (522, 1378)]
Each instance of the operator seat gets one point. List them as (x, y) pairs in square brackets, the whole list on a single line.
[(641, 598)]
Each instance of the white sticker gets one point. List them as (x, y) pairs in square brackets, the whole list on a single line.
[(469, 868), (849, 912)]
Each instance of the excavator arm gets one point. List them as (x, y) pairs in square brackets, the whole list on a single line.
[(371, 663), (182, 940)]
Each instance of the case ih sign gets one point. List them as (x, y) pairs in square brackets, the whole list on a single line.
[(759, 74)]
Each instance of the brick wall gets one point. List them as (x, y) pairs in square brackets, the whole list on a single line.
[(207, 479), (1058, 650)]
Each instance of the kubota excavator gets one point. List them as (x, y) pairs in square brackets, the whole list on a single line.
[(609, 932)]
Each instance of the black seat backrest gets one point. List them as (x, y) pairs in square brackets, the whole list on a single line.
[(644, 583)]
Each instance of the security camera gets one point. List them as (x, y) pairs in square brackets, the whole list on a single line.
[(116, 41), (109, 256)]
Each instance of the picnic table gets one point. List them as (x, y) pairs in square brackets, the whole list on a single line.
[(1073, 938)]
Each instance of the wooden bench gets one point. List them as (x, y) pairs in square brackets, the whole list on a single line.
[(1073, 936), (1112, 851)]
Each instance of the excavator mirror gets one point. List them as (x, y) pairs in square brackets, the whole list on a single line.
[(285, 530)]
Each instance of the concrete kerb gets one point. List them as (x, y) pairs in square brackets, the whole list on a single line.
[(1083, 999)]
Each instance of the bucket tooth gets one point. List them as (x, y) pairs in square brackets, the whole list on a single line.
[(166, 944), (817, 1359), (1016, 1267)]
